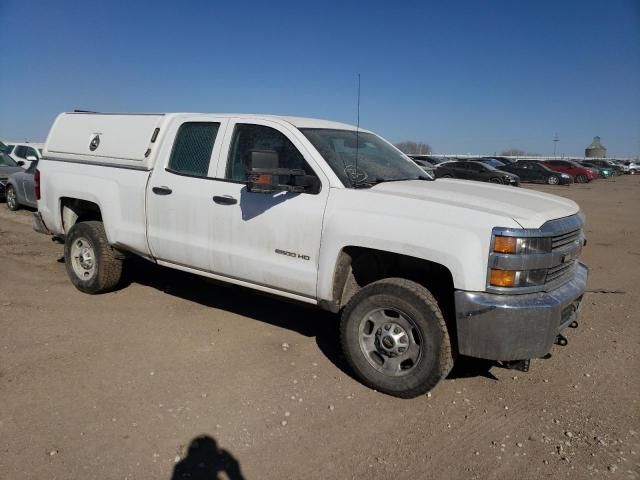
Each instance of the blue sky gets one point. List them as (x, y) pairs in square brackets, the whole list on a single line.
[(464, 76)]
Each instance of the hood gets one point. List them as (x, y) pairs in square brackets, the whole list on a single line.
[(6, 171), (528, 208)]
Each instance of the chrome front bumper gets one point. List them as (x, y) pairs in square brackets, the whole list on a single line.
[(516, 327)]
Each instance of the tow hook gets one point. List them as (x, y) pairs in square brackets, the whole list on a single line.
[(561, 340), (573, 324)]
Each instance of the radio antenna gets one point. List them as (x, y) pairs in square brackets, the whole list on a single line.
[(357, 131)]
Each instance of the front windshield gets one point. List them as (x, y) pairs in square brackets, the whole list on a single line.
[(3, 147), (377, 160), (6, 161)]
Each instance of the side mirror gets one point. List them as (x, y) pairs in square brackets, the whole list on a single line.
[(31, 158), (20, 163), (266, 177)]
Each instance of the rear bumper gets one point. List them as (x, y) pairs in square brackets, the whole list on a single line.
[(516, 327), (38, 224)]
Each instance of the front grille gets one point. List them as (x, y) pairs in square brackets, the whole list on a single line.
[(554, 273), (562, 241), (559, 241)]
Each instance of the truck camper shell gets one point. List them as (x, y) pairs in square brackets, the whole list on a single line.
[(111, 139)]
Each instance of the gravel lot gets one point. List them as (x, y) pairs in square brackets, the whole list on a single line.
[(119, 386)]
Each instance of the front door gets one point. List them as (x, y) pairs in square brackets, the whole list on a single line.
[(271, 239), (181, 213)]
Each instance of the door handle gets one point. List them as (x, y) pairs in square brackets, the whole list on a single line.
[(225, 200), (161, 190)]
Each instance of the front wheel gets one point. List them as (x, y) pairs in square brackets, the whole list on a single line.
[(92, 264), (495, 180), (581, 179), (12, 198), (395, 338), (553, 180)]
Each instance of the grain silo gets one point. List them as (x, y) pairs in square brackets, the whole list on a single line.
[(596, 149)]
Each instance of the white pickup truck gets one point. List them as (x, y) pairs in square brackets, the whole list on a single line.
[(324, 213)]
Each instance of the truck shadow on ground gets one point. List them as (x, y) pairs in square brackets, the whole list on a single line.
[(206, 461), (303, 319)]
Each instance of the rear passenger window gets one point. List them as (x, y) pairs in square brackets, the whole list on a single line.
[(192, 149), (247, 138)]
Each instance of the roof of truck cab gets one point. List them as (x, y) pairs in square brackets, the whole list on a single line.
[(299, 122)]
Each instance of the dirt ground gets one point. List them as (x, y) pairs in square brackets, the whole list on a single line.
[(119, 386)]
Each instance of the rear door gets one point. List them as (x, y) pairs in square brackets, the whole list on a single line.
[(181, 215), (527, 171), (28, 184)]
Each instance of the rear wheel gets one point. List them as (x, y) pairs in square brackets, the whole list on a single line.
[(581, 179), (446, 175), (12, 198), (92, 265), (395, 338), (553, 180)]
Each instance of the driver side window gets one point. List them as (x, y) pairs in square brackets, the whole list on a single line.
[(248, 138)]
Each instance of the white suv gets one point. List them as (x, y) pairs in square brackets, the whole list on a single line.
[(25, 152)]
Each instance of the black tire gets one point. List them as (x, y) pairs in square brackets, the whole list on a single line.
[(11, 198), (581, 179), (496, 180), (553, 180), (446, 175), (106, 270), (632, 171), (414, 304)]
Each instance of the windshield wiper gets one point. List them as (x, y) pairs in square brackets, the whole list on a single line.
[(371, 183)]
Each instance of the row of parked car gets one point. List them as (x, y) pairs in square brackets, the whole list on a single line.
[(511, 172), (18, 163)]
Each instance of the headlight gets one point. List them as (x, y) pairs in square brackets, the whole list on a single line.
[(564, 175), (526, 245), (517, 278)]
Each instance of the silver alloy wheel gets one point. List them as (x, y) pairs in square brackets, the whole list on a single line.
[(12, 201), (552, 180), (390, 341), (83, 258)]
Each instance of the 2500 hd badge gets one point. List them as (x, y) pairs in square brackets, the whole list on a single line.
[(293, 254)]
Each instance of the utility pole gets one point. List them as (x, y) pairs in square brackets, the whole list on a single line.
[(555, 143)]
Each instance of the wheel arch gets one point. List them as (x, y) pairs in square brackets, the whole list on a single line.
[(74, 210), (357, 267)]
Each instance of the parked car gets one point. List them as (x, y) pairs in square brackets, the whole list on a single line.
[(579, 173), (276, 204), (433, 161), (621, 164), (426, 166), (633, 166), (8, 166), (606, 164), (20, 189), (603, 172), (472, 170), (25, 152), (536, 172)]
